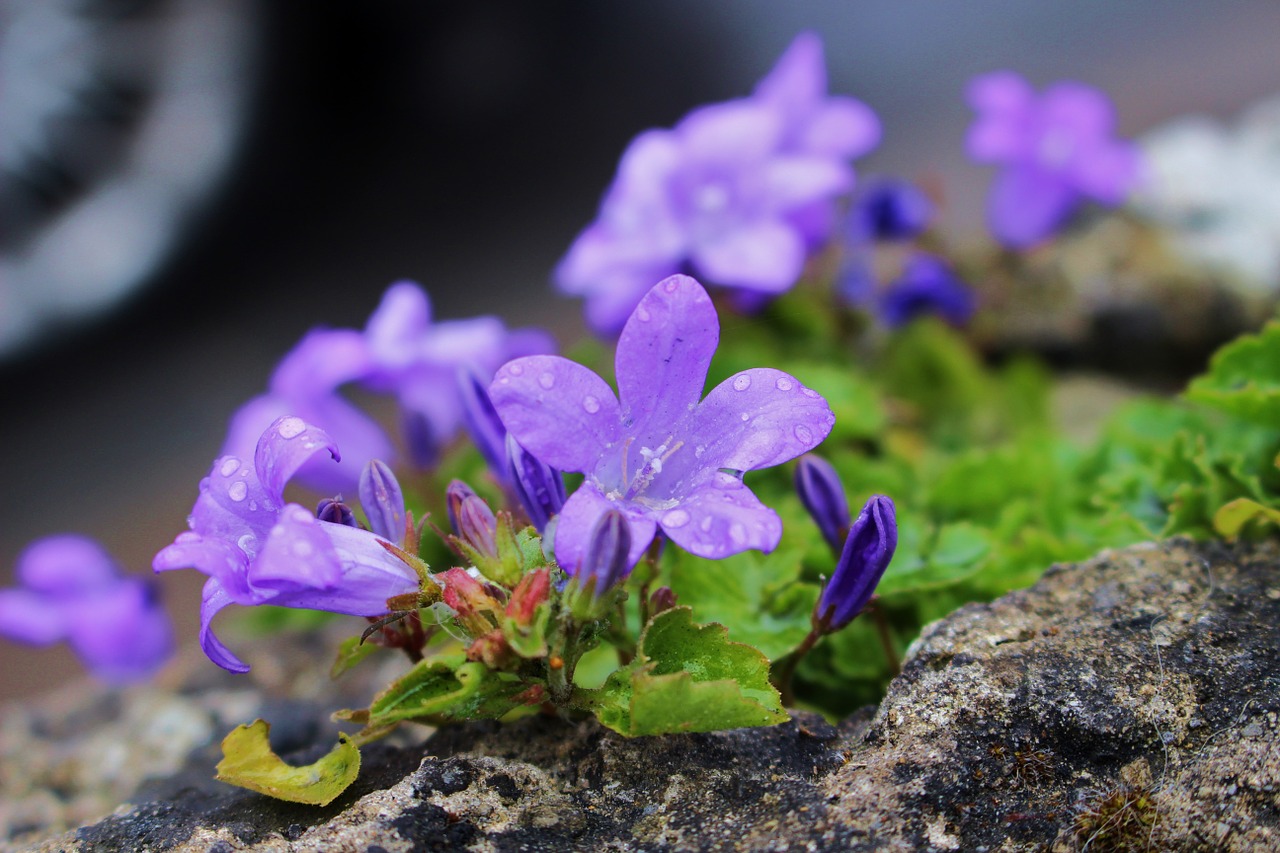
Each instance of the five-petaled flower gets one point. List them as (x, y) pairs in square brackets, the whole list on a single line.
[(738, 193), (257, 549), (658, 452), (400, 352), (1056, 149), (71, 589)]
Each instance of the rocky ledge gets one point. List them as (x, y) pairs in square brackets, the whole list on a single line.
[(1125, 703)]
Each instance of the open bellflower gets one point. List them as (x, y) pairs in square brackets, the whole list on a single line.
[(400, 352), (658, 452), (736, 193), (257, 549), (1055, 149), (867, 551), (72, 590)]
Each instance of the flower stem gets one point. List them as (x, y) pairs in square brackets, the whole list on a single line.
[(787, 668), (886, 636)]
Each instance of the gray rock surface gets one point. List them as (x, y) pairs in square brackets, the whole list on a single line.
[(1125, 703)]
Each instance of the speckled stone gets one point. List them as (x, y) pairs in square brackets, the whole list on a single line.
[(1125, 703)]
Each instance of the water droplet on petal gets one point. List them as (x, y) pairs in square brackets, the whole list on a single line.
[(809, 392), (515, 369), (804, 434), (745, 417), (229, 466), (253, 506), (590, 404), (675, 518), (237, 491), (546, 380), (246, 543), (302, 547), (784, 383), (705, 524), (291, 427), (671, 285), (738, 533), (642, 314), (741, 382)]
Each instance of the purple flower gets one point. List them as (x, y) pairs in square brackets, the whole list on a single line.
[(822, 494), (72, 590), (607, 558), (867, 551), (400, 352), (889, 209), (737, 192), (927, 286), (257, 549), (1056, 149), (383, 501), (539, 487), (658, 452)]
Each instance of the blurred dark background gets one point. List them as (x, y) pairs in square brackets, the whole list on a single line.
[(188, 187)]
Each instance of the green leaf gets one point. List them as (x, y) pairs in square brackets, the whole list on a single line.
[(1244, 377), (442, 689), (350, 652), (248, 762), (1233, 516), (688, 678)]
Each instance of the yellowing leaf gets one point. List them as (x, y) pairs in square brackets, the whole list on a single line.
[(248, 762)]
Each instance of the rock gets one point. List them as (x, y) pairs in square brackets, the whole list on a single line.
[(1125, 703)]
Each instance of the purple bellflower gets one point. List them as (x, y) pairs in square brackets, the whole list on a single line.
[(72, 590), (822, 494), (927, 286), (401, 352), (606, 561), (889, 209), (737, 192), (257, 549), (659, 452), (866, 554), (1056, 149), (539, 487)]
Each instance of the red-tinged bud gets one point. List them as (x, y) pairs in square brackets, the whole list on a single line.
[(663, 598), (535, 695), (467, 596), (533, 589), (492, 650)]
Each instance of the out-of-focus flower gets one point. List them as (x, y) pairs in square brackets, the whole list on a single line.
[(889, 209), (868, 549), (257, 549), (736, 192), (927, 286), (400, 352), (659, 452), (71, 590), (1055, 149), (1214, 190)]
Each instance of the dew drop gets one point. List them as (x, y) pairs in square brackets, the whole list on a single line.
[(675, 518), (745, 417), (546, 380), (784, 384), (237, 491), (291, 427), (808, 392), (642, 314), (741, 382), (516, 369), (590, 404), (705, 524), (302, 548), (253, 506), (804, 434), (229, 466), (671, 285), (738, 533)]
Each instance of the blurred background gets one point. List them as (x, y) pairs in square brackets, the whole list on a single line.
[(187, 186)]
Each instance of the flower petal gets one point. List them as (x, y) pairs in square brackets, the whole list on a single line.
[(321, 361), (396, 327), (219, 558), (721, 518), (1027, 205), (758, 418), (764, 255), (794, 181), (283, 448), (560, 411), (1003, 101), (578, 518), (213, 599), (28, 617), (296, 555), (123, 635), (842, 127), (663, 356), (799, 77), (370, 575), (68, 564)]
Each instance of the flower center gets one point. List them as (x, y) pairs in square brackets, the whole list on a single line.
[(635, 485)]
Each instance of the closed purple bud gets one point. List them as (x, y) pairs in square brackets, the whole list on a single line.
[(482, 421), (382, 500), (472, 520), (420, 439), (454, 495), (891, 209), (822, 494), (334, 511), (606, 560), (867, 551), (539, 486)]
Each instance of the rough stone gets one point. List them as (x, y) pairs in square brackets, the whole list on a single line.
[(1131, 702)]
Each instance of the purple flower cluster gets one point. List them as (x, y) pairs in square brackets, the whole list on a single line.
[(71, 590), (258, 549), (400, 352), (661, 454), (1055, 149), (738, 193)]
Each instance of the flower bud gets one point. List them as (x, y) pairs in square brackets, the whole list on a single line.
[(420, 439), (867, 551), (892, 209), (482, 421), (456, 492), (539, 487), (472, 520), (383, 501), (663, 598), (822, 494), (606, 559), (334, 511)]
